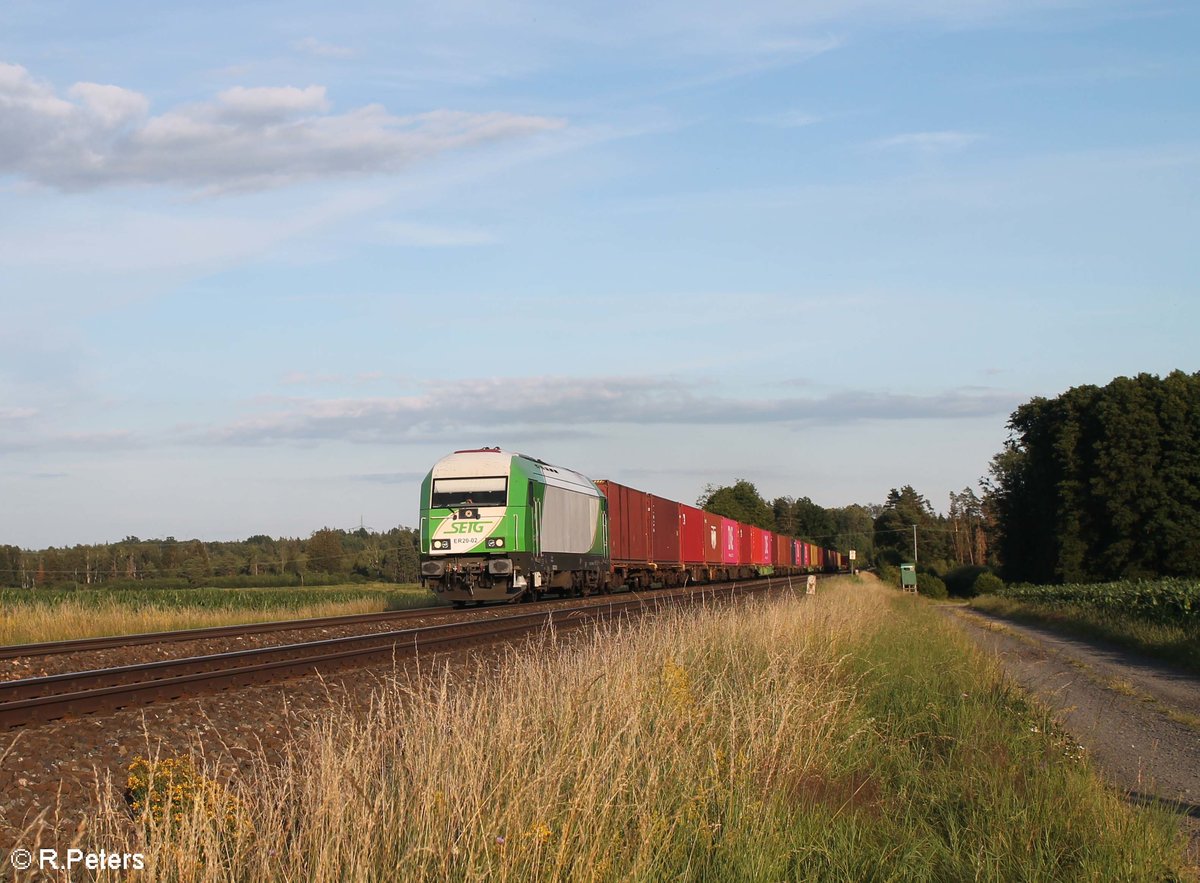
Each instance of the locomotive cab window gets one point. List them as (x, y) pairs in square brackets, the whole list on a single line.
[(449, 493)]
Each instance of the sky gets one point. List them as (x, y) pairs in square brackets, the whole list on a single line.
[(262, 264)]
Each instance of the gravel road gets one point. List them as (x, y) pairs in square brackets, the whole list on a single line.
[(1138, 718)]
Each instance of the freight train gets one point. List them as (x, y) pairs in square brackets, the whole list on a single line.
[(501, 526)]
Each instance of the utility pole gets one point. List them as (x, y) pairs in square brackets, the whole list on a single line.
[(914, 544)]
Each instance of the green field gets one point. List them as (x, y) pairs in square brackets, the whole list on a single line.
[(1157, 617), (33, 615)]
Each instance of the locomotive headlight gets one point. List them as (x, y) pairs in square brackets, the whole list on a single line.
[(441, 544), (495, 543)]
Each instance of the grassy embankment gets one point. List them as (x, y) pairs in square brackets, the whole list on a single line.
[(28, 616), (1157, 617), (850, 736)]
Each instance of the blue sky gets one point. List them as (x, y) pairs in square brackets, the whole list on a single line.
[(262, 264)]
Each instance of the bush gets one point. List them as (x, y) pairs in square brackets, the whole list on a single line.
[(163, 793), (889, 574), (987, 584), (939, 567), (931, 586)]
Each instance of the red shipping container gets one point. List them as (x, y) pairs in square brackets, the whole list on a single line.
[(756, 545), (664, 530), (693, 535), (766, 547), (628, 522), (797, 553), (731, 542), (713, 544), (746, 545)]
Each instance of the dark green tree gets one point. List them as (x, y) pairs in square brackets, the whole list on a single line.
[(1101, 483), (324, 550), (740, 501)]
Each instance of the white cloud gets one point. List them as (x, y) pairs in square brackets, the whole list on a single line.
[(111, 105), (452, 409), (928, 142), (313, 46), (245, 139), (269, 104)]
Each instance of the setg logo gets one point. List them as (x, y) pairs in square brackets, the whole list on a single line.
[(461, 527), (462, 534)]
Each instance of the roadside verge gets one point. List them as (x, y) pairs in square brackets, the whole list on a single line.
[(1137, 718)]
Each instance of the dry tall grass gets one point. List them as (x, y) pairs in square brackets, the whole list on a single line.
[(69, 619), (726, 744)]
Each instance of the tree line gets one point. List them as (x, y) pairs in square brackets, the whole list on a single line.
[(1101, 483), (328, 555)]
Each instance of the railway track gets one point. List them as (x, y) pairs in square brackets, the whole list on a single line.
[(39, 699), (107, 642)]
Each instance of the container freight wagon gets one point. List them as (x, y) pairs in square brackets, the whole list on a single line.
[(669, 544), (629, 523), (657, 542), (496, 526), (709, 544), (645, 538)]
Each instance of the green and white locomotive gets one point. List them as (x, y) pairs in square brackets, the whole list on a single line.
[(499, 526)]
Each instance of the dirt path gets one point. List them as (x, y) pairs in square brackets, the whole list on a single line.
[(1138, 719)]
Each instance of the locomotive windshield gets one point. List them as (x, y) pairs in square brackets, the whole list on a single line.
[(449, 493)]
